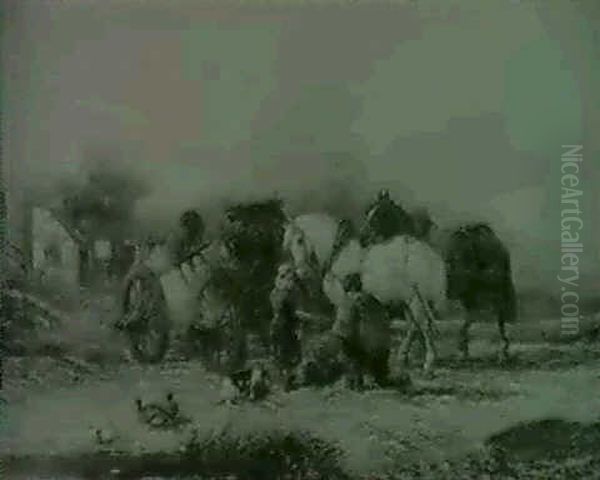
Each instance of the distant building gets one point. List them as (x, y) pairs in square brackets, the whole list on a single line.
[(16, 217), (55, 253)]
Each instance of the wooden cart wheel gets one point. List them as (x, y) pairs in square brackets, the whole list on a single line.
[(148, 333)]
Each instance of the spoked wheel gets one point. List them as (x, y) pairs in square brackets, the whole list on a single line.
[(145, 319)]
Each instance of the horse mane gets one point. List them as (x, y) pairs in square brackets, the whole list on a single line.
[(404, 222), (475, 229), (320, 230)]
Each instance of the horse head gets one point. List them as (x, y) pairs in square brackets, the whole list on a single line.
[(285, 278), (383, 220), (298, 252)]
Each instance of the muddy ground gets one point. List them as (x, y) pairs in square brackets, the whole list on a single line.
[(54, 398)]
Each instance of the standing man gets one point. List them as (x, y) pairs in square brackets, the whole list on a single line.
[(192, 234), (285, 339)]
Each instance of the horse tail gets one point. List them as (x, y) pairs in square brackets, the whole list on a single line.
[(509, 305)]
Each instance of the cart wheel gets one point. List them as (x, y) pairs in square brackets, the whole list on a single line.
[(147, 331)]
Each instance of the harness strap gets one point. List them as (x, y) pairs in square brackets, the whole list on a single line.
[(342, 237)]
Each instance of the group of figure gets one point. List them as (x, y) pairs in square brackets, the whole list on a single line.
[(315, 273), (392, 266)]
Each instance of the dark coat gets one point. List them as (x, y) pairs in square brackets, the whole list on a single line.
[(284, 328)]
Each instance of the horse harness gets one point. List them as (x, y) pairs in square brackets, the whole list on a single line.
[(343, 236)]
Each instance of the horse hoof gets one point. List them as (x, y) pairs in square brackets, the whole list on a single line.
[(403, 358), (401, 381), (504, 359), (429, 362)]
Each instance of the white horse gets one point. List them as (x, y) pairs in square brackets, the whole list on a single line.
[(402, 271), (191, 299)]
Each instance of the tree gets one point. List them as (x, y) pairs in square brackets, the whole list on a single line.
[(99, 205)]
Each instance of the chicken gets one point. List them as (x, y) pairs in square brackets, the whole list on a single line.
[(161, 415)]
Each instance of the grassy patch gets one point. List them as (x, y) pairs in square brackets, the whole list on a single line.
[(486, 466), (270, 455), (265, 455), (547, 448)]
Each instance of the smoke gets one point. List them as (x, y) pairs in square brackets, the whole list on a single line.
[(455, 106), (308, 155), (98, 194)]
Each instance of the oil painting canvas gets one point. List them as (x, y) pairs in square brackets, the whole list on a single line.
[(300, 239)]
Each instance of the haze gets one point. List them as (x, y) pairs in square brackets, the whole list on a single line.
[(458, 105)]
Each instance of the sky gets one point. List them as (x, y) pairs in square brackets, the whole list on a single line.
[(459, 105)]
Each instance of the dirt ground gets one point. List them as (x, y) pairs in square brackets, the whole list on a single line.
[(78, 378), (52, 404)]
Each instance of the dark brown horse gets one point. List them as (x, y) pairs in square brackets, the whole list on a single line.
[(478, 267)]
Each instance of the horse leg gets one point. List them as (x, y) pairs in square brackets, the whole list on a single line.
[(406, 345), (463, 340), (355, 361), (430, 351), (380, 368), (428, 328), (355, 380), (413, 332), (183, 276), (421, 321), (502, 320), (507, 313)]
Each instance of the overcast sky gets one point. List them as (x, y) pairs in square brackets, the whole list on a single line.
[(459, 105)]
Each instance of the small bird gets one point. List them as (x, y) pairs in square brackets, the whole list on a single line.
[(178, 419), (103, 438), (161, 415), (172, 407), (150, 414), (241, 381), (251, 383)]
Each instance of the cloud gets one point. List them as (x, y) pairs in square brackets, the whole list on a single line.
[(442, 101), (453, 69), (124, 114)]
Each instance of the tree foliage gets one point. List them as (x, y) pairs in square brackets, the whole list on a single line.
[(101, 203)]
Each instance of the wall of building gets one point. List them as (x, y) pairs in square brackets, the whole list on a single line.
[(55, 259)]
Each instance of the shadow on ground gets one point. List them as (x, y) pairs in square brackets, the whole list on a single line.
[(547, 448)]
